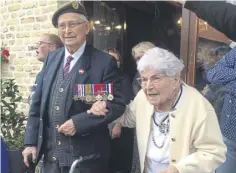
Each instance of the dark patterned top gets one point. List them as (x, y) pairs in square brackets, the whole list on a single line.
[(224, 73)]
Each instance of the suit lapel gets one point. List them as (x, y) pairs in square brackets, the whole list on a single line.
[(84, 64)]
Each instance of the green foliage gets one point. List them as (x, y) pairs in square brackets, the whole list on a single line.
[(12, 121)]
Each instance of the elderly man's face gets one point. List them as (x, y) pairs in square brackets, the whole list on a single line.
[(158, 88), (72, 30)]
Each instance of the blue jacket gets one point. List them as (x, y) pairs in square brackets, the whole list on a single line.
[(224, 73)]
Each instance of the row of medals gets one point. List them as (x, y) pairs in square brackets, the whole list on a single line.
[(92, 98)]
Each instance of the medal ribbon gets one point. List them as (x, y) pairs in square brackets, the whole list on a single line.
[(110, 85), (88, 89), (83, 90), (93, 90)]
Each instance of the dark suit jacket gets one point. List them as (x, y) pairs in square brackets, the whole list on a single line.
[(218, 14), (126, 88), (38, 78), (91, 131)]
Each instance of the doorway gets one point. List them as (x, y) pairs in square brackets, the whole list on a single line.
[(156, 21)]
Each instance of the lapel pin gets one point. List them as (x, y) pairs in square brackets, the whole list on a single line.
[(81, 71)]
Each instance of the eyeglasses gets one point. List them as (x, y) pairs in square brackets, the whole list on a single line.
[(42, 42), (153, 80), (73, 24)]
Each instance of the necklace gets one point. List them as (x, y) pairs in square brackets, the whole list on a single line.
[(164, 127)]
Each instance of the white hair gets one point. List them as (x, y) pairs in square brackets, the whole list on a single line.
[(161, 60)]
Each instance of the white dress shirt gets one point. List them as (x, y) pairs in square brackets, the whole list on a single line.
[(76, 55)]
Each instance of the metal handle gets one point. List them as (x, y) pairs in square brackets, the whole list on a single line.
[(74, 164), (81, 159)]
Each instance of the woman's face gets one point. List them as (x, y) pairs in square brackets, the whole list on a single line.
[(158, 88), (116, 56)]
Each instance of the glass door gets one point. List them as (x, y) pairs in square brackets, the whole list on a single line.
[(106, 25), (201, 47)]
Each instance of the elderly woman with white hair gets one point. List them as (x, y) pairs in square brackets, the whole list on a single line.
[(177, 128)]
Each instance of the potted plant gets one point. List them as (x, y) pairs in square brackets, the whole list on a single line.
[(12, 124)]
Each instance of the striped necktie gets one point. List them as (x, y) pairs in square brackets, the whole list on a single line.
[(67, 66)]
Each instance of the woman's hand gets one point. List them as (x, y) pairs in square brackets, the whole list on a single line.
[(116, 131), (99, 108)]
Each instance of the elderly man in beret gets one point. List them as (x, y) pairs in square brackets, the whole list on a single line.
[(59, 125)]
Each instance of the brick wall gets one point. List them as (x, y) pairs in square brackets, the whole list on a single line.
[(22, 23)]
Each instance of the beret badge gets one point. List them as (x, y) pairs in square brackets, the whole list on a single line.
[(75, 5)]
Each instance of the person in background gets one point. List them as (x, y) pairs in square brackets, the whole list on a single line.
[(46, 44), (215, 93), (174, 122), (121, 138), (221, 15), (137, 52), (224, 73)]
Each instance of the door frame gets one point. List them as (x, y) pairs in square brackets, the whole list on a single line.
[(188, 45)]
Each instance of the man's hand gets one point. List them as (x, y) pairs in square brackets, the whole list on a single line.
[(99, 108), (205, 89), (68, 128), (28, 151), (171, 169), (177, 2), (116, 131)]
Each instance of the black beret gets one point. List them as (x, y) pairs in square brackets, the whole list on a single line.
[(72, 7)]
